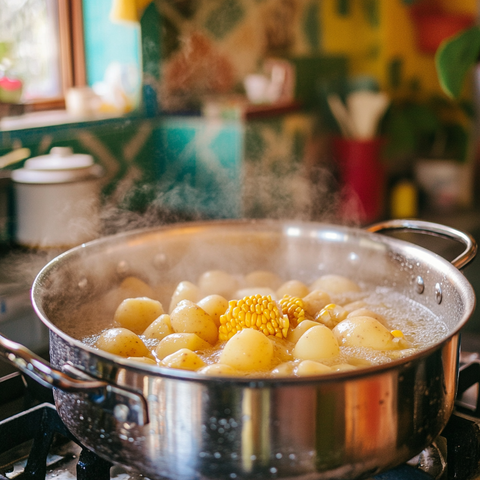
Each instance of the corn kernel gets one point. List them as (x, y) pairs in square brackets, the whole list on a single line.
[(293, 307), (255, 311), (397, 333)]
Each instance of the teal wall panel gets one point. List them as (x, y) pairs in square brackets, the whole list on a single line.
[(199, 166), (107, 42)]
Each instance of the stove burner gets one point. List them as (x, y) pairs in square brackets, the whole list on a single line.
[(32, 431), (40, 425)]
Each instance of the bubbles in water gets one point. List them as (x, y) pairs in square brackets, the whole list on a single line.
[(353, 257), (159, 260), (122, 267)]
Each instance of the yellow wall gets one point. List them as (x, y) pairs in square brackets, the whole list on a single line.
[(351, 35), (372, 48)]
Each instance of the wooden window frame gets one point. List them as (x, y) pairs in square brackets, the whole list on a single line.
[(72, 54)]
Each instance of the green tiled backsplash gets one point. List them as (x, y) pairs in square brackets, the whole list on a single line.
[(186, 165)]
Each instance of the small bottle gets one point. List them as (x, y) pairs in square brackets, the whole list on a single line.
[(404, 200)]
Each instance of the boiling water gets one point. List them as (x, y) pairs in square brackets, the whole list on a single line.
[(418, 324)]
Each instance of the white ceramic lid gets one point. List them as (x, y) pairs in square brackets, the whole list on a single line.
[(60, 166)]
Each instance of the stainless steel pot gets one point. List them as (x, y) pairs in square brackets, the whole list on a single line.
[(178, 425)]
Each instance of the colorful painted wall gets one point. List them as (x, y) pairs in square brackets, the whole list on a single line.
[(379, 39), (382, 39), (181, 160)]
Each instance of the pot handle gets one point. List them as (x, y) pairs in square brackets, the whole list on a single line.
[(435, 229), (125, 405)]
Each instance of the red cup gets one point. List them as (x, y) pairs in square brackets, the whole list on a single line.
[(362, 175)]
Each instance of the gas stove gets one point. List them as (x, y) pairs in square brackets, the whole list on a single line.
[(36, 445)]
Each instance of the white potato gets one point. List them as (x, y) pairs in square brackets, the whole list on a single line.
[(217, 282), (159, 328), (350, 307), (335, 284), (176, 341), (123, 342), (281, 350), (184, 359), (248, 350), (131, 287), (185, 291), (215, 306), (294, 288), (295, 334), (317, 343), (343, 367), (134, 287), (187, 317), (331, 315), (137, 314), (315, 301), (395, 354), (364, 332), (310, 367), (219, 369), (359, 362), (365, 312), (286, 369), (263, 291), (263, 278)]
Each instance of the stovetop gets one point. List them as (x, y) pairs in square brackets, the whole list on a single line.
[(35, 444)]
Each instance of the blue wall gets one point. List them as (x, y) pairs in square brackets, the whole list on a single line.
[(107, 42)]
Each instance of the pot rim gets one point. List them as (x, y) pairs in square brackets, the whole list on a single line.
[(253, 381)]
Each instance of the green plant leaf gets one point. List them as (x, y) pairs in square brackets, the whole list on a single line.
[(422, 118), (455, 57)]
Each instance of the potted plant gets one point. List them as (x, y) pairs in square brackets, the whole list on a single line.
[(455, 58), (429, 139)]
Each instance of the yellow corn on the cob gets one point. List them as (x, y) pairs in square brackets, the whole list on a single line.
[(294, 308), (255, 311)]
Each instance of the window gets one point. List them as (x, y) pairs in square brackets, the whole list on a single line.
[(41, 46)]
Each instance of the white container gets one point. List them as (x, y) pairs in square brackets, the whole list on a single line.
[(82, 102), (442, 182), (57, 199)]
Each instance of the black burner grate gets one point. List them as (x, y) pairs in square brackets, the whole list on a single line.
[(40, 426)]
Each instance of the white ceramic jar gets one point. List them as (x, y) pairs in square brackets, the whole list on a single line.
[(57, 200)]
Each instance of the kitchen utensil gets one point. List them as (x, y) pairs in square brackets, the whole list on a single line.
[(342, 116), (366, 108), (176, 424), (57, 199)]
